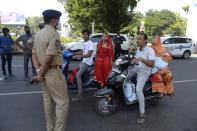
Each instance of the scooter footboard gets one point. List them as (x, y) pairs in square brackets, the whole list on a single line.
[(104, 92)]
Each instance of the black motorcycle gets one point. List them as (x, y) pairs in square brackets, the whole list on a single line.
[(109, 99)]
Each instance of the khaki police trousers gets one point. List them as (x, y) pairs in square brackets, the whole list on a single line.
[(56, 100)]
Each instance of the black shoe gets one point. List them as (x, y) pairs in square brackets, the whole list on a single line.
[(26, 76), (11, 75), (5, 76), (141, 119)]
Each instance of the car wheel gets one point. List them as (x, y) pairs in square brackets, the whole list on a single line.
[(186, 54)]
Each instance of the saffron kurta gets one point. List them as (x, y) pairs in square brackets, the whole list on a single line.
[(162, 80)]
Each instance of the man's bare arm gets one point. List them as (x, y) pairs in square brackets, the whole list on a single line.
[(78, 53), (88, 54), (85, 55), (18, 44), (35, 61), (149, 63)]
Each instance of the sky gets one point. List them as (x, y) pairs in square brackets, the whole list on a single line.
[(30, 7), (173, 5), (35, 7)]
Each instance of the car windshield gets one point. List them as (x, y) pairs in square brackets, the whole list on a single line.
[(95, 38), (163, 39)]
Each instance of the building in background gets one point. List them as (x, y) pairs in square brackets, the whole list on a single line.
[(192, 21), (65, 26)]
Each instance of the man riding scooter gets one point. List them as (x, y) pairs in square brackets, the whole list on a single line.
[(87, 61), (144, 61)]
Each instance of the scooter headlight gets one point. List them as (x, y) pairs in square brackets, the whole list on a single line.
[(120, 62)]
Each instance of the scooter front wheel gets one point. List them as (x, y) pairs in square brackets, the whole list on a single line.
[(106, 107)]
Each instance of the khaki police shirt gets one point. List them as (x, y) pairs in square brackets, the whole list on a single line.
[(47, 42)]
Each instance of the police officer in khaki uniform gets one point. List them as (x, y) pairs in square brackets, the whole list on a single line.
[(47, 58)]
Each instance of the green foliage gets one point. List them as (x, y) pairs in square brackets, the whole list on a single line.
[(157, 22), (133, 26), (164, 21), (33, 22), (14, 38), (108, 15), (179, 26), (116, 14), (65, 40), (80, 14)]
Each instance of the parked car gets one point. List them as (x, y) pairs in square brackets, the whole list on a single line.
[(95, 39), (179, 46), (74, 45)]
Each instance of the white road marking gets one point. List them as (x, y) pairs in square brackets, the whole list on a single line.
[(184, 81), (182, 61), (34, 92), (19, 66), (20, 93), (39, 92)]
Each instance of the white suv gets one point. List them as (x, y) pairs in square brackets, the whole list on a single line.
[(95, 39), (179, 46)]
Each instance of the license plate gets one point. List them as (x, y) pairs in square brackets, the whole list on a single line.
[(116, 70)]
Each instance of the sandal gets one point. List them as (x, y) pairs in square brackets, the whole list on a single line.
[(161, 95), (76, 98), (141, 119), (172, 95)]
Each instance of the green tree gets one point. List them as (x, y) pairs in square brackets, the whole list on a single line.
[(110, 15), (133, 26), (164, 21), (33, 22), (179, 26), (80, 14), (116, 14)]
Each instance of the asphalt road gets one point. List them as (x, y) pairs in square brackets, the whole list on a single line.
[(21, 106)]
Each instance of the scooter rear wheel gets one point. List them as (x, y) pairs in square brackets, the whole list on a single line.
[(104, 107)]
